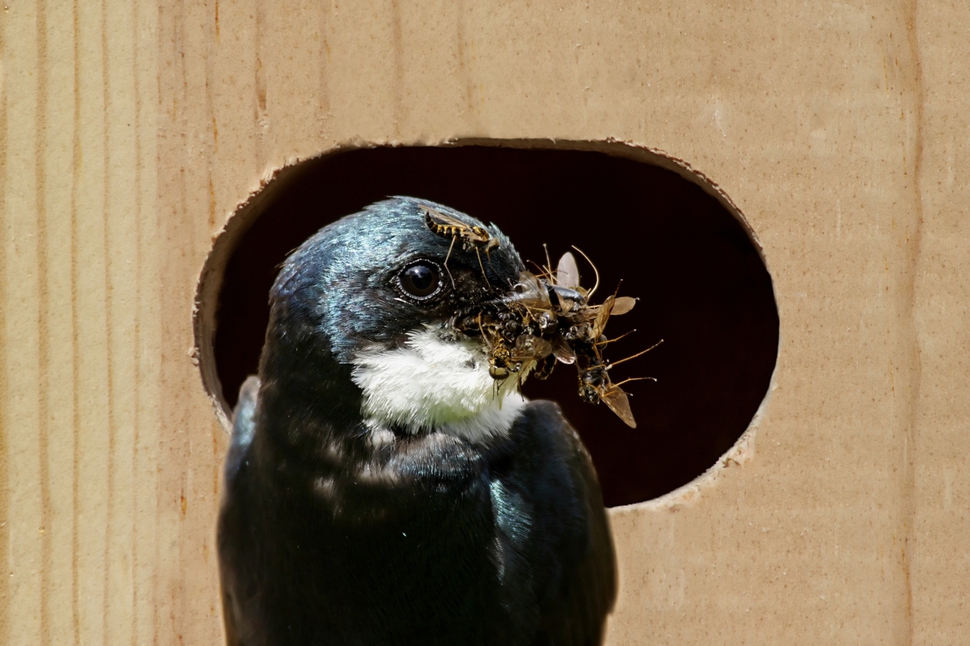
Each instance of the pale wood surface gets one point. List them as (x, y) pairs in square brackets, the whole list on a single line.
[(130, 130)]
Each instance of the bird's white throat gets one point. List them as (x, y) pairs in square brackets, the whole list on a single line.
[(432, 383)]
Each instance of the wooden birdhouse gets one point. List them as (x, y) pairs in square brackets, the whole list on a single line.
[(782, 186)]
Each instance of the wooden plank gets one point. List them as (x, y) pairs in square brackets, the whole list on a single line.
[(128, 132), (941, 304), (25, 304)]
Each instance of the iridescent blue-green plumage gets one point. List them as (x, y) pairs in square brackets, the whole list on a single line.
[(327, 536)]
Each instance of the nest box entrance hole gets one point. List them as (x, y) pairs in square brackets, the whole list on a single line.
[(702, 283)]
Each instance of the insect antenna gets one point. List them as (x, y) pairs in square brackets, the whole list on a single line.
[(638, 354), (617, 338), (548, 267), (540, 270), (629, 379)]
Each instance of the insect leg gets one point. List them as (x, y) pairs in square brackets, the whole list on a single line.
[(481, 266), (452, 246)]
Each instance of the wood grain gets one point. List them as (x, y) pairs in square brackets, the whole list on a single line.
[(129, 131)]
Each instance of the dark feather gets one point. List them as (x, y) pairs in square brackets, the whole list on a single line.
[(326, 537)]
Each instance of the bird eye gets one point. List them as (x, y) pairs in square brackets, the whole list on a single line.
[(420, 280)]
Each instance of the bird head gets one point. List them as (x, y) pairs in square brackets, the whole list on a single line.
[(363, 333)]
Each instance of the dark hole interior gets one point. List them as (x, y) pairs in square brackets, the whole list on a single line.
[(702, 286)]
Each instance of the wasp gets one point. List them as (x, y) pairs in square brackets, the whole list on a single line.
[(596, 386), (548, 319), (500, 362), (531, 304), (588, 322), (584, 325), (528, 322), (472, 236), (527, 351), (494, 328)]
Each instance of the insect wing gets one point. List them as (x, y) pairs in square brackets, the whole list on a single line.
[(443, 219), (567, 272), (563, 351), (622, 305), (532, 347), (619, 403), (530, 292), (602, 316)]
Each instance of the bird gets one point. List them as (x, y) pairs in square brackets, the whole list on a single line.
[(380, 487)]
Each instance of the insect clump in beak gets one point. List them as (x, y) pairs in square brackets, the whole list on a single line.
[(548, 319)]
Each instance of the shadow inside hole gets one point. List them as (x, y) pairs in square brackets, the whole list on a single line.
[(702, 286)]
